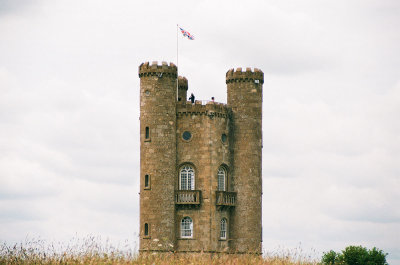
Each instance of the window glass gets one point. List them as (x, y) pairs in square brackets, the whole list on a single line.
[(223, 228), (186, 177), (221, 179), (186, 136), (224, 138), (186, 227)]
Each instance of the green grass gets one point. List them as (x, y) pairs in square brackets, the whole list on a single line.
[(89, 251)]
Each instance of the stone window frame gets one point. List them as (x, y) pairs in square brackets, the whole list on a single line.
[(146, 229), (147, 134), (189, 140), (222, 169), (191, 136), (193, 177), (226, 140), (223, 229), (186, 227), (148, 186)]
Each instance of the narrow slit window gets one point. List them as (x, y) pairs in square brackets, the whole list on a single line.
[(146, 181), (147, 133), (146, 229)]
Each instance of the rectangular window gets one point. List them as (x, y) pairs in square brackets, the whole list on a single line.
[(146, 182), (146, 229), (184, 185), (223, 234), (223, 226), (186, 228), (147, 134)]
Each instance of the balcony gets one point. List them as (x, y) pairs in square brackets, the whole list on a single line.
[(187, 197), (226, 199)]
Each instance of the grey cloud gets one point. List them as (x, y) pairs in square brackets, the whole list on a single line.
[(19, 215), (17, 211), (69, 106), (14, 6), (8, 194)]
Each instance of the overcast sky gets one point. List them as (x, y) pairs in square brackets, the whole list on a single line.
[(69, 112)]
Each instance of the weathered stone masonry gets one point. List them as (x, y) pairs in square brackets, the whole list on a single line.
[(200, 168)]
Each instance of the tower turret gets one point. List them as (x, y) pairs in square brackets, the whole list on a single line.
[(158, 155), (182, 88), (245, 99)]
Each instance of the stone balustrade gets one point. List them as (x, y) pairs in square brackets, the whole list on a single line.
[(184, 197), (226, 198)]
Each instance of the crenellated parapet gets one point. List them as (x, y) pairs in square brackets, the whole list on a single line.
[(211, 109), (153, 69), (182, 89), (182, 83), (247, 76)]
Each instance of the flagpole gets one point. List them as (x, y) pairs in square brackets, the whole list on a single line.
[(177, 61)]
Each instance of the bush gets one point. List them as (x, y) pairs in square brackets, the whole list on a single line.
[(329, 258), (355, 255)]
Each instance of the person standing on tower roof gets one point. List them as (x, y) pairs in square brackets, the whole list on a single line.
[(192, 98)]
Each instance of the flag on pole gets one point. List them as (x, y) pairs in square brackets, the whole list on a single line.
[(186, 34)]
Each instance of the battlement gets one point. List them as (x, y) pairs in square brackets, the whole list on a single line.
[(211, 109), (147, 69), (182, 83), (248, 76)]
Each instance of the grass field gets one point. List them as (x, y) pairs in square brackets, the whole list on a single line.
[(89, 251)]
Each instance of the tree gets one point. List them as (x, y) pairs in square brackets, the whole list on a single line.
[(355, 255), (330, 258)]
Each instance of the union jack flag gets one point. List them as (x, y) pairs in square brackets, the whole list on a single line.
[(186, 34)]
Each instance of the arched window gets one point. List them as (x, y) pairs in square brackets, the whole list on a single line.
[(221, 179), (186, 178), (187, 227), (222, 233)]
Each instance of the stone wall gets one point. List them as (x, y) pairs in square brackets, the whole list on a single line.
[(206, 152), (245, 99), (182, 88), (157, 155), (221, 135)]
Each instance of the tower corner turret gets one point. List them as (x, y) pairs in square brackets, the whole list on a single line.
[(182, 88), (244, 76)]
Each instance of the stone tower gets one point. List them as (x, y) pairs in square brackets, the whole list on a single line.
[(245, 100), (200, 164), (157, 153)]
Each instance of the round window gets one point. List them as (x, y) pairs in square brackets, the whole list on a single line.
[(224, 138), (147, 92), (186, 136)]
